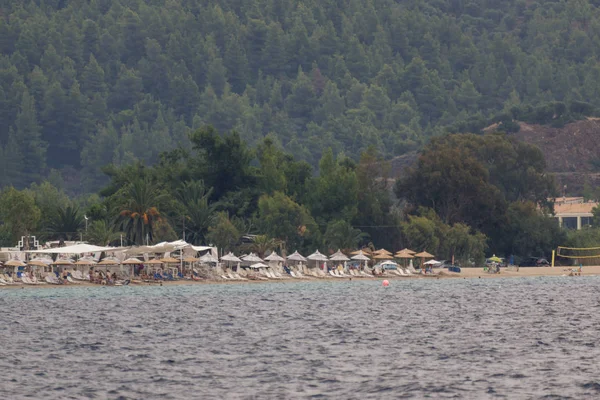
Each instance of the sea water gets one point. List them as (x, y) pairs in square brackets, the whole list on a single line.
[(477, 338)]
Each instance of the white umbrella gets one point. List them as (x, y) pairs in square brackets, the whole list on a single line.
[(296, 257), (317, 256), (274, 257), (132, 261), (432, 262), (208, 257), (230, 257), (43, 260), (339, 256), (259, 265), (252, 258), (360, 257)]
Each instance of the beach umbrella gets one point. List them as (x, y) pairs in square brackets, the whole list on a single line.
[(338, 256), (360, 256), (170, 260), (109, 261), (230, 257), (409, 251), (132, 261), (253, 258), (495, 259), (154, 261), (317, 256), (366, 250), (383, 256), (295, 256), (432, 262), (63, 261), (259, 265), (403, 254), (423, 255), (191, 259), (208, 257), (85, 261), (37, 263), (44, 260), (382, 251), (274, 257)]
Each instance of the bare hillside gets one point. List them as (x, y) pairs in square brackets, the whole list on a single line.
[(572, 152)]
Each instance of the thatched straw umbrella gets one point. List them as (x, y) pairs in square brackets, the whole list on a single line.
[(423, 255)]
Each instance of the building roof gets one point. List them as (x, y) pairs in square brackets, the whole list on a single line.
[(574, 209), (567, 200)]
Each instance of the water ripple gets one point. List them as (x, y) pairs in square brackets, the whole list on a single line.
[(530, 338)]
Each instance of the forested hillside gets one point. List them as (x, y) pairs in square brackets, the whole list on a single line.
[(87, 83)]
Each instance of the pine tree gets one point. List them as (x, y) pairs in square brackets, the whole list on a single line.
[(29, 139)]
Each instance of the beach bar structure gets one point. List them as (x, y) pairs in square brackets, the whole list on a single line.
[(574, 212)]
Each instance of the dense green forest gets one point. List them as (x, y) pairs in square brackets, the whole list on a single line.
[(468, 195), (84, 84)]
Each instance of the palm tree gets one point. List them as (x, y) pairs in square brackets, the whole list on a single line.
[(261, 244), (197, 213), (140, 210), (102, 233), (65, 223)]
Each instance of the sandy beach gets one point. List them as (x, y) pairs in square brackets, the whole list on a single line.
[(466, 273)]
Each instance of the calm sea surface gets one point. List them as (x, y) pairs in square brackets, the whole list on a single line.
[(476, 339)]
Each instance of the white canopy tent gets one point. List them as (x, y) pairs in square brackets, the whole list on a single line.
[(76, 249)]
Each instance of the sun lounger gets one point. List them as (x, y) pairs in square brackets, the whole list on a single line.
[(52, 279), (237, 276), (279, 275), (226, 278), (7, 280)]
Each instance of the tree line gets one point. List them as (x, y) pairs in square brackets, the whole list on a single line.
[(89, 83), (466, 196)]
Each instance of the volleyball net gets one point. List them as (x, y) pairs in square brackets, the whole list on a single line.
[(579, 253)]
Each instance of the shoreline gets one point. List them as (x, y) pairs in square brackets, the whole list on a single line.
[(466, 273)]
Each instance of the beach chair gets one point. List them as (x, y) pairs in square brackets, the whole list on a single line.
[(300, 275), (280, 275), (71, 280), (226, 278)]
